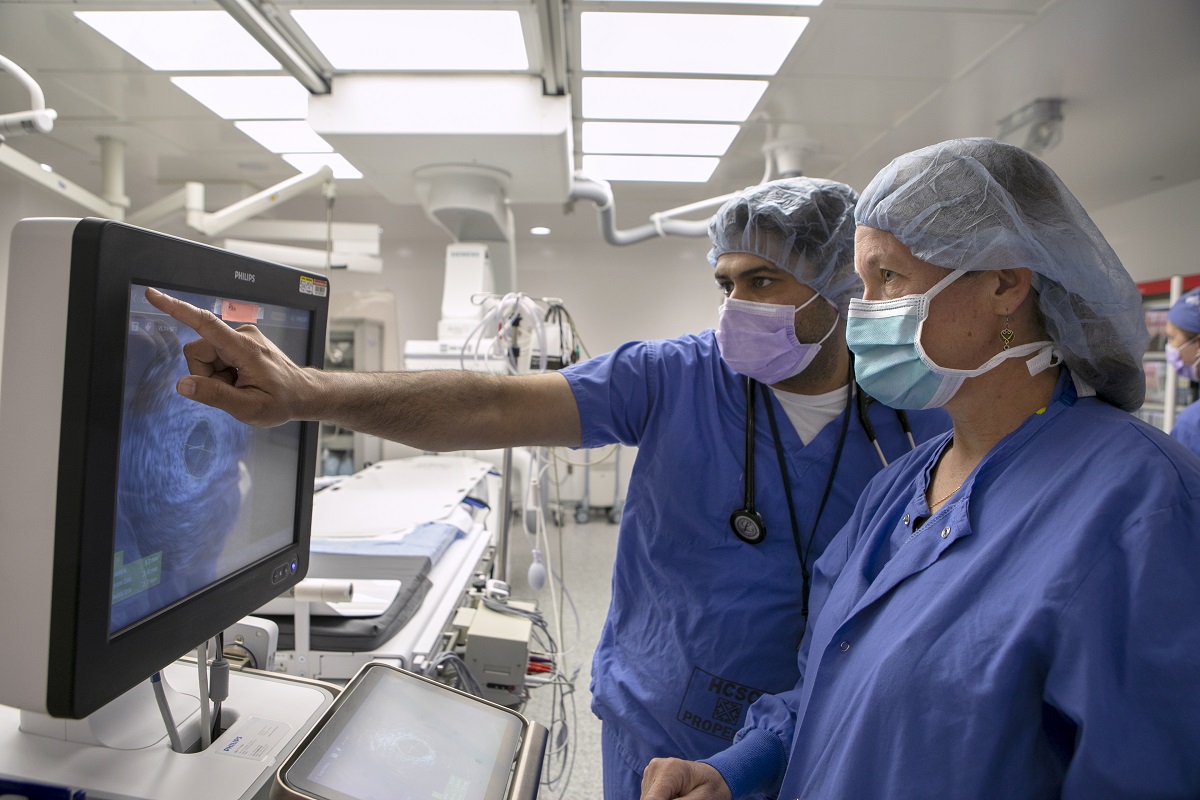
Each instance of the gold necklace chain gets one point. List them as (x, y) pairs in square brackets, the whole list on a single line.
[(936, 503)]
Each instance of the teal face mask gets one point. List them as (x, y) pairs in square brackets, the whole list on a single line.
[(891, 365)]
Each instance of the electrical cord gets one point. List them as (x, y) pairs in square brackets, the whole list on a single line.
[(164, 707), (218, 684), (559, 760), (557, 576), (566, 752), (504, 320), (465, 680), (571, 346), (205, 714)]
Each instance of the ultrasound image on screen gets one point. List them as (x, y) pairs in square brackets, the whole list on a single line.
[(199, 494)]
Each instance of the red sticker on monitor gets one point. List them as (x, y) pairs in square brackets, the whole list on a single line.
[(237, 311)]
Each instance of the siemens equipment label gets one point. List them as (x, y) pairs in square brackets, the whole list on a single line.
[(716, 706)]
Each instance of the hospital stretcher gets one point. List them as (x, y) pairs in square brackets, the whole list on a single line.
[(411, 536)]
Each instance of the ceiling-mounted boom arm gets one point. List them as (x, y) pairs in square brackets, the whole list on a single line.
[(38, 119), (217, 222), (600, 193), (663, 223), (190, 199)]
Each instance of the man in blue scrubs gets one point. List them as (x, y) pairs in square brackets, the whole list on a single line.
[(702, 621), (1011, 611)]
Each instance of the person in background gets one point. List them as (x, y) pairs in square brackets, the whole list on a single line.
[(753, 446), (1183, 353), (1011, 609)]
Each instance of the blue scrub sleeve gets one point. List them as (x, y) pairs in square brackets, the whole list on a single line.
[(1138, 727), (615, 392), (1187, 428), (752, 765)]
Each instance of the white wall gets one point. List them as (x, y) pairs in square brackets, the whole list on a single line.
[(1155, 235), (657, 289), (652, 290)]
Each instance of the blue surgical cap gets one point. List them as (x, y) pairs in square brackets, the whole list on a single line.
[(980, 204), (804, 226), (1185, 313)]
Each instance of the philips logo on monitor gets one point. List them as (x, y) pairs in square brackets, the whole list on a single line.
[(248, 277)]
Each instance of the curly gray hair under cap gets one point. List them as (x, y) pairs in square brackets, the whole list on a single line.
[(804, 226), (980, 204)]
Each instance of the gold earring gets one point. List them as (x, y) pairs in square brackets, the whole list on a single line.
[(1006, 335)]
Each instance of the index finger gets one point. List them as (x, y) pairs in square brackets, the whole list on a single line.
[(205, 323)]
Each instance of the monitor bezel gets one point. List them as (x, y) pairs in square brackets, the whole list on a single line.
[(88, 665)]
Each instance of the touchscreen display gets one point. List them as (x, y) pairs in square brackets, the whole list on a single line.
[(400, 737), (186, 517)]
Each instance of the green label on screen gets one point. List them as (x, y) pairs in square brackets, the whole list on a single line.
[(136, 576)]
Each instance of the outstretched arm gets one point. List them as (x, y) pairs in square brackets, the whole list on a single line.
[(244, 374)]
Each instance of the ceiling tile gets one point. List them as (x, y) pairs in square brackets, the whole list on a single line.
[(898, 44)]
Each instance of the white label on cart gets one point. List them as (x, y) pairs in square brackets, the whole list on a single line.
[(253, 738)]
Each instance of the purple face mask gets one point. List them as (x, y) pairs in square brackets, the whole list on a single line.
[(1181, 367), (758, 340)]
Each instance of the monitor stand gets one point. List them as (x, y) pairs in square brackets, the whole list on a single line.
[(122, 751)]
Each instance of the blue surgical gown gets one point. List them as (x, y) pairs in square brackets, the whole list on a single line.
[(1037, 637), (1187, 428), (701, 623)]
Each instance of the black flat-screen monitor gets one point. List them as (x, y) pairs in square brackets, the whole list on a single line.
[(136, 524)]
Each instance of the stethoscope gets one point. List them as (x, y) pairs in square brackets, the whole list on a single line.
[(748, 524)]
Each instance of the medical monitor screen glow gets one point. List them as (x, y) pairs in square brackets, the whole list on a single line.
[(185, 513), (400, 737)]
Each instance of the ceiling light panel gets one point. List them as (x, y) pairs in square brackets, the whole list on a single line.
[(657, 138), (417, 40), (285, 136), (181, 41), (685, 99), (670, 169), (248, 96), (715, 44), (307, 162)]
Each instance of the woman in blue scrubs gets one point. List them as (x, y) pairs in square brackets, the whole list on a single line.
[(1012, 609), (1183, 353)]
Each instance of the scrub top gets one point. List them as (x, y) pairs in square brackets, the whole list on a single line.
[(1036, 637), (701, 623), (1187, 428)]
